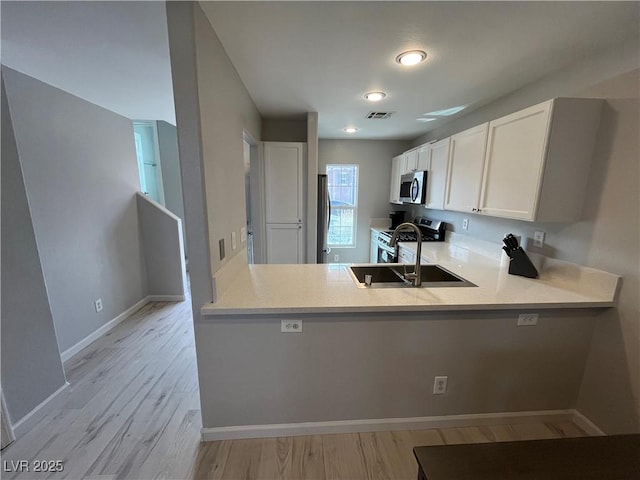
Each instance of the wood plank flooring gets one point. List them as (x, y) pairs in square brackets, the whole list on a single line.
[(132, 412)]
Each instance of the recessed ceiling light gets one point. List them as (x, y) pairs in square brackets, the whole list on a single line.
[(426, 119), (412, 57), (375, 96), (350, 130)]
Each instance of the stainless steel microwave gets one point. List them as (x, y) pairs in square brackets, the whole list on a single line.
[(413, 187)]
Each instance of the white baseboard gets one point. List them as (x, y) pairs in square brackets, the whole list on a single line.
[(585, 424), (382, 424), (25, 424), (166, 298), (110, 325)]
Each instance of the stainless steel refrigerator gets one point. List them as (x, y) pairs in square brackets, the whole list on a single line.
[(324, 217)]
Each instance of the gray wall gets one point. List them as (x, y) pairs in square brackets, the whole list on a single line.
[(349, 367), (607, 238), (226, 110), (170, 164), (284, 129), (374, 160), (80, 173), (213, 111), (161, 233), (610, 394), (31, 365), (182, 45)]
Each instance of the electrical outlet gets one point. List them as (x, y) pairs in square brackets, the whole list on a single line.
[(440, 385), (465, 223), (527, 319), (291, 326), (221, 246), (538, 239), (98, 305), (234, 243), (243, 234), (336, 258)]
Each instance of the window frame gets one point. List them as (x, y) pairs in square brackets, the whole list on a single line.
[(353, 208)]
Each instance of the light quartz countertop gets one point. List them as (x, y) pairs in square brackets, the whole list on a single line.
[(329, 288)]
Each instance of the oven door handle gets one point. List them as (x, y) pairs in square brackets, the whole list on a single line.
[(387, 248)]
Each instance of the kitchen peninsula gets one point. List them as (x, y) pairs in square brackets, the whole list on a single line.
[(365, 359), (295, 289)]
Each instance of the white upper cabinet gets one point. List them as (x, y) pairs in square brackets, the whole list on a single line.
[(397, 169), (283, 171), (436, 163), (423, 157), (514, 163), (410, 160), (538, 161), (466, 160), (535, 166)]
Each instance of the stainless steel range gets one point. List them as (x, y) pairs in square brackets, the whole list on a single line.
[(432, 231)]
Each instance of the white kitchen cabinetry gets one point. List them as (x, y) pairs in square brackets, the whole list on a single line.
[(397, 169), (285, 243), (406, 256), (538, 160), (410, 161), (423, 157), (437, 161), (464, 177), (284, 201)]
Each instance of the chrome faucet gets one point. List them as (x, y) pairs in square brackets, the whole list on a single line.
[(415, 276)]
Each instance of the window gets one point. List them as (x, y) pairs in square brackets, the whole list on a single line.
[(343, 190)]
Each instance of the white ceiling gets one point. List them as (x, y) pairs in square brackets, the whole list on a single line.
[(323, 56), (113, 54), (296, 57)]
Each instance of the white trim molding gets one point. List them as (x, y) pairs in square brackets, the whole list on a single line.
[(111, 324), (585, 424), (103, 330), (166, 298), (383, 424), (27, 422)]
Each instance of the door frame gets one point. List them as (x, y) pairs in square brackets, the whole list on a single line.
[(156, 153), (256, 196)]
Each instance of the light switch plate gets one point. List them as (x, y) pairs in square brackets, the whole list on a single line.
[(234, 243), (538, 239), (243, 234)]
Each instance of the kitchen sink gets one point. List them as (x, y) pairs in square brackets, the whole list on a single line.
[(390, 276)]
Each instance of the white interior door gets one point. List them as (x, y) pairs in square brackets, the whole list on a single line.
[(283, 166), (285, 243)]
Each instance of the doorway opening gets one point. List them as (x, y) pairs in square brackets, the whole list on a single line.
[(148, 155)]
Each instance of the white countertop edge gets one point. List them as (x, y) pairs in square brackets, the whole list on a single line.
[(211, 311)]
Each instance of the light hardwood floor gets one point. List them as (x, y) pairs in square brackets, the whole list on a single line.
[(132, 411)]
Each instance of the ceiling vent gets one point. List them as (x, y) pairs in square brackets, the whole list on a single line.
[(378, 115)]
